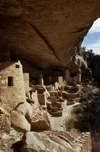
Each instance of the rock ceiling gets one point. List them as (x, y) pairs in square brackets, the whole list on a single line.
[(45, 32)]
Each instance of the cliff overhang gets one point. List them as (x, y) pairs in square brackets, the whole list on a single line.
[(44, 33)]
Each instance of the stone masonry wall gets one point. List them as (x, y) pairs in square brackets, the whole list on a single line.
[(12, 89), (26, 81)]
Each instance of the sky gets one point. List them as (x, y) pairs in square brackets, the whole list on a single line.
[(92, 39)]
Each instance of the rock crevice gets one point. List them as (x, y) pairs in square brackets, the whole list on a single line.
[(44, 39)]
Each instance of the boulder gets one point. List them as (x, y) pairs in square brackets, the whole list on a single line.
[(19, 121), (46, 143), (21, 117)]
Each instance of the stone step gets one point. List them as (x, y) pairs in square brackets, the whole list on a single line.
[(56, 114), (68, 96), (73, 89)]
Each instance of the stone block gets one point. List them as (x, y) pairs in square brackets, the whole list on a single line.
[(40, 80), (19, 121), (40, 125), (40, 90), (34, 96), (42, 99), (79, 78), (26, 81), (56, 86)]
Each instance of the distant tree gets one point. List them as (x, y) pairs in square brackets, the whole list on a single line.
[(91, 53), (91, 50), (84, 48)]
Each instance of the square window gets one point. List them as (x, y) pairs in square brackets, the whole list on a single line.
[(17, 66)]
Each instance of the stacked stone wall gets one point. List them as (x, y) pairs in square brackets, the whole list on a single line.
[(12, 89)]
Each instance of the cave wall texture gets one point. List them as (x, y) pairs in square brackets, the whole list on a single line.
[(45, 33)]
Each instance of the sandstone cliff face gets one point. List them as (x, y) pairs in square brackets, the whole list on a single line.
[(45, 33)]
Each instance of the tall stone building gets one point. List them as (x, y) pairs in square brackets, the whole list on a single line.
[(12, 89)]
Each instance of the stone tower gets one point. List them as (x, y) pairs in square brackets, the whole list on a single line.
[(12, 89)]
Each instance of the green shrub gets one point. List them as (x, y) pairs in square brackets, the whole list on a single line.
[(88, 117)]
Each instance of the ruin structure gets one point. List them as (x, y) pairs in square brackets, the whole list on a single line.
[(38, 93), (38, 103), (12, 90), (14, 84)]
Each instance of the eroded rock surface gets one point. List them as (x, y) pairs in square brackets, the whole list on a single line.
[(21, 117), (54, 142), (45, 33)]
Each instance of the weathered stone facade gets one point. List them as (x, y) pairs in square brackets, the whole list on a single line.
[(12, 89), (26, 82), (40, 105)]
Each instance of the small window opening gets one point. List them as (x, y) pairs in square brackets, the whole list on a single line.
[(73, 74), (10, 81), (17, 66)]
